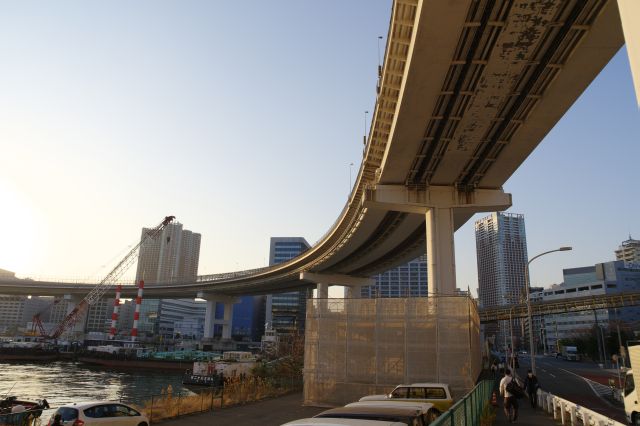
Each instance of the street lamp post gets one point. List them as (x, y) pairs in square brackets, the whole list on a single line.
[(528, 290)]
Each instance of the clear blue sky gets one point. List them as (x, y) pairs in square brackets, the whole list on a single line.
[(241, 118)]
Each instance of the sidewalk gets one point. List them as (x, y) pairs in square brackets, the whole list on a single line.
[(527, 416), (269, 412)]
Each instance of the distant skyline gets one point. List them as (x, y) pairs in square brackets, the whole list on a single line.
[(242, 119)]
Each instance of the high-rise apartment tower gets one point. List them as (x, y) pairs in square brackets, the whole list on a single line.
[(172, 257), (501, 248), (629, 251)]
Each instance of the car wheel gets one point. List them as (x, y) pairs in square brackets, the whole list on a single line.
[(432, 415), (143, 424)]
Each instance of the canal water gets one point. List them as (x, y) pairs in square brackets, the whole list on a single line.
[(67, 382)]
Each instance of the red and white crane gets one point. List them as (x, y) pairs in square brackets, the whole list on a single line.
[(108, 281)]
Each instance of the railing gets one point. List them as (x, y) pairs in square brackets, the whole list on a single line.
[(468, 410), (586, 303), (572, 413)]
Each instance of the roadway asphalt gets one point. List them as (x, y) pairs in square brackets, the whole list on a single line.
[(566, 379), (269, 412)]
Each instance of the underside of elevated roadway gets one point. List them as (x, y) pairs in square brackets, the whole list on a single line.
[(467, 91)]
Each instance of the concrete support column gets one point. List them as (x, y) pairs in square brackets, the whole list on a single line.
[(226, 324), (210, 314), (353, 292), (323, 291), (630, 16), (323, 281), (440, 251), (209, 319)]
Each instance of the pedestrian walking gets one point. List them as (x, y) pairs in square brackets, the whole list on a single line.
[(494, 369), (531, 385), (510, 403)]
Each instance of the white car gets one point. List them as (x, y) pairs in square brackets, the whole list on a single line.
[(342, 422), (100, 413)]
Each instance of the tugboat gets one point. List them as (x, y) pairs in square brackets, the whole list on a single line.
[(17, 412)]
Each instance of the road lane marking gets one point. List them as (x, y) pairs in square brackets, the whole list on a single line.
[(552, 375), (588, 382)]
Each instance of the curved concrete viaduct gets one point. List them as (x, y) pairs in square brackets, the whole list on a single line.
[(467, 91)]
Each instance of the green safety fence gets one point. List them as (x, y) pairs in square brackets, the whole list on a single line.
[(468, 410)]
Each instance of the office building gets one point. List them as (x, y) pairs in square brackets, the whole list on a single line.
[(17, 311), (501, 249), (248, 318), (286, 312), (181, 319), (171, 257), (629, 251), (600, 279), (408, 280)]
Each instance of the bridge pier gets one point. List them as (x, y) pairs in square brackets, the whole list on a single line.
[(441, 257), (323, 281), (445, 209), (629, 17), (210, 320)]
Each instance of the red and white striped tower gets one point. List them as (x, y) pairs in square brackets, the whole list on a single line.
[(114, 315), (136, 315)]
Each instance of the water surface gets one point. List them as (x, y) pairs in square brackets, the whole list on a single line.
[(65, 382)]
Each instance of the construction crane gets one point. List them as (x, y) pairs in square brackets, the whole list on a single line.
[(109, 281), (36, 321)]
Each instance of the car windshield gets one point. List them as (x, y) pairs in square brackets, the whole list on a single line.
[(67, 413), (399, 393)]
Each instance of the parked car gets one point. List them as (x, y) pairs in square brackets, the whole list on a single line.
[(102, 413), (437, 394), (429, 413), (342, 422), (409, 416)]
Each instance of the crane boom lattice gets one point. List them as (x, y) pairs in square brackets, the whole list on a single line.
[(109, 280)]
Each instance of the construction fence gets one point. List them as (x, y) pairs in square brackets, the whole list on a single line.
[(357, 347), (469, 409)]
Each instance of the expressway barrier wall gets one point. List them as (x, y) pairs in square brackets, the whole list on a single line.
[(356, 347)]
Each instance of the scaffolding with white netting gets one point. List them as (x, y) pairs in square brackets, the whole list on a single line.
[(357, 347)]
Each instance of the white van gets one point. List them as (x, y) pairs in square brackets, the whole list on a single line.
[(427, 410), (341, 422), (405, 415)]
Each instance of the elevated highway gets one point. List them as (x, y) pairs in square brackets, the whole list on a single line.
[(467, 91)]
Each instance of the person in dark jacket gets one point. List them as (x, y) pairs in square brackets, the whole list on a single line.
[(57, 420), (531, 385)]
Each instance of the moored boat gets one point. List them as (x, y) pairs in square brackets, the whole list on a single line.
[(19, 412)]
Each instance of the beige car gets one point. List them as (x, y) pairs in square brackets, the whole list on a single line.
[(437, 394)]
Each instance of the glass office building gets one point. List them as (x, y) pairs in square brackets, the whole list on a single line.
[(286, 312), (408, 280)]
